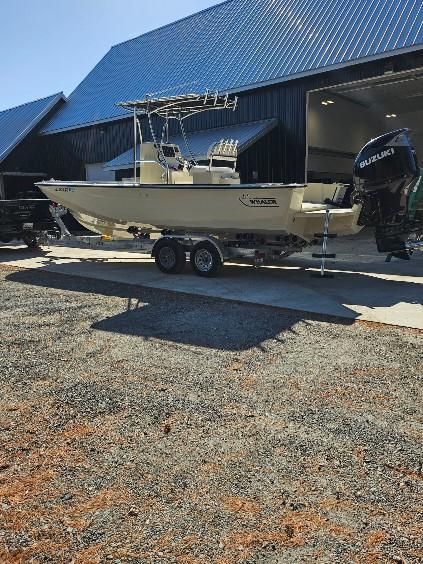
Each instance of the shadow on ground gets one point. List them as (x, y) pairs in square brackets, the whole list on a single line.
[(180, 318), (355, 263), (364, 287)]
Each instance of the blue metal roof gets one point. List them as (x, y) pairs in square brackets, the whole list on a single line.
[(16, 123), (200, 141), (240, 43)]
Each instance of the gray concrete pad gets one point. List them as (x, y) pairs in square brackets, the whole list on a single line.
[(364, 287)]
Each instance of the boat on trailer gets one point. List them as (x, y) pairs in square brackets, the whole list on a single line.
[(202, 207)]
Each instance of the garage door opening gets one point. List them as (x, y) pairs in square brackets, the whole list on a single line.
[(342, 119)]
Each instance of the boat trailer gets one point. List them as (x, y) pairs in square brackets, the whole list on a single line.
[(388, 187), (207, 253)]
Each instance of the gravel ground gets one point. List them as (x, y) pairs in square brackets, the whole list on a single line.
[(138, 425)]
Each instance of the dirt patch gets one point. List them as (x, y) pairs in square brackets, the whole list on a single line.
[(191, 430)]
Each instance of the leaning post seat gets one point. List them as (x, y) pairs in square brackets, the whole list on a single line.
[(221, 157), (224, 150)]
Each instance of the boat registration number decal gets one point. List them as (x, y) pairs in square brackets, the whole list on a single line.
[(64, 189), (258, 202)]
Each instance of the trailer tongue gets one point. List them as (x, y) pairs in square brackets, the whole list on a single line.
[(27, 219), (389, 185)]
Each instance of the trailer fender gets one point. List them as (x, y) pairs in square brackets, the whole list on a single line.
[(217, 246), (159, 241)]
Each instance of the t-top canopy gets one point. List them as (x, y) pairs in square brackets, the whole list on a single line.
[(181, 107)]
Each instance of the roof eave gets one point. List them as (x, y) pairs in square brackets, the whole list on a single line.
[(83, 125), (320, 70), (268, 125), (57, 98)]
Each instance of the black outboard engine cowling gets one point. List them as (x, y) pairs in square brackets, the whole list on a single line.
[(382, 170)]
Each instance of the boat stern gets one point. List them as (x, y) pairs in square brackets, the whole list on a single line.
[(311, 220)]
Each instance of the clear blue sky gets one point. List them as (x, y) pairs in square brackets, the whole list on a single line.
[(48, 46)]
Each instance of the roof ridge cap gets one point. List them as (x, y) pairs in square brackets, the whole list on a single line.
[(33, 102)]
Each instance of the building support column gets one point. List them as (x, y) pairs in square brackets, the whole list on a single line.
[(2, 192)]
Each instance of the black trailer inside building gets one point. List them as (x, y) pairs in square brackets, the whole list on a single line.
[(24, 210)]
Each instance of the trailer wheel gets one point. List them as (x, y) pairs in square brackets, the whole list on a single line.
[(205, 259), (31, 241), (169, 256)]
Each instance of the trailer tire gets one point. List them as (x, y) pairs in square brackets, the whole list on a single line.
[(169, 256), (31, 241), (205, 259)]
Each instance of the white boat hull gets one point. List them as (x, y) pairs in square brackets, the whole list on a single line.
[(111, 208)]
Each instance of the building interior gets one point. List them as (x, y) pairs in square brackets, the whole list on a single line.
[(341, 120)]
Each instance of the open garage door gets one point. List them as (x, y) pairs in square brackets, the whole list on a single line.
[(343, 118)]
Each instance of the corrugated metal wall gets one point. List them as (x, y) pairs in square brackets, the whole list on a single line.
[(29, 155), (69, 152), (280, 157), (283, 158)]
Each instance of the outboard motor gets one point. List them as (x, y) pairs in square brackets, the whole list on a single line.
[(385, 171)]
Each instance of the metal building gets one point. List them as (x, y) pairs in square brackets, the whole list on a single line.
[(21, 158), (315, 79)]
